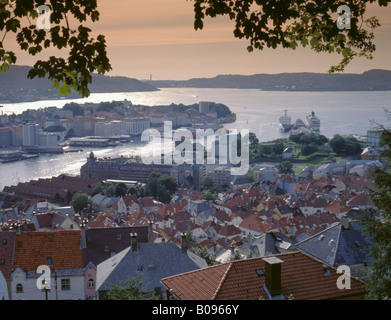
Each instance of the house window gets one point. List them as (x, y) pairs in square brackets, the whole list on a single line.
[(50, 239), (49, 262), (19, 288), (19, 243), (2, 261), (91, 283), (4, 241), (65, 284)]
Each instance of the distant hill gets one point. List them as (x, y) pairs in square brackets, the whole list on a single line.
[(16, 87), (372, 80)]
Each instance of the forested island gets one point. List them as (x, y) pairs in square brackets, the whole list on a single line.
[(372, 80)]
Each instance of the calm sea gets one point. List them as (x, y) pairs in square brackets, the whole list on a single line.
[(339, 112)]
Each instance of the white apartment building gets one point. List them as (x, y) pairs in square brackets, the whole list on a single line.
[(47, 139), (137, 126), (30, 132), (110, 128)]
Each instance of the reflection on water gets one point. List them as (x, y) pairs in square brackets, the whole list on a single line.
[(339, 112)]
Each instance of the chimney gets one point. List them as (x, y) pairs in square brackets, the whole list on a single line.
[(183, 242), (345, 222), (133, 241), (293, 229), (273, 276), (83, 227), (250, 238), (150, 231)]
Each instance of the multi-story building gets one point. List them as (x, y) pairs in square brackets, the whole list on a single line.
[(221, 175), (47, 139), (30, 134), (17, 135), (137, 171), (5, 136), (110, 128), (136, 126), (100, 169)]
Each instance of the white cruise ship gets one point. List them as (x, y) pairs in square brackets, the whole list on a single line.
[(285, 122), (313, 122)]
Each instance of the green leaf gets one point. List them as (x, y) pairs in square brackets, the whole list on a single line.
[(64, 90)]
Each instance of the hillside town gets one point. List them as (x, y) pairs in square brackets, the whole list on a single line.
[(270, 236)]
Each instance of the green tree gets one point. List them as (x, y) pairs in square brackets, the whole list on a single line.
[(308, 149), (203, 252), (210, 196), (250, 176), (80, 201), (121, 189), (289, 24), (130, 289), (253, 139), (379, 229), (285, 167), (236, 255), (19, 19), (207, 183), (98, 188), (345, 146), (76, 108), (109, 191), (161, 186), (134, 190), (278, 148)]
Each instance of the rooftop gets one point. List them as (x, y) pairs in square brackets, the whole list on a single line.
[(302, 277)]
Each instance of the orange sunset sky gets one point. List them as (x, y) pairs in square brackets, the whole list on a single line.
[(156, 37)]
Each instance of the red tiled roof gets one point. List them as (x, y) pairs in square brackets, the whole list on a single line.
[(102, 221), (255, 223), (302, 277), (63, 247), (6, 252), (337, 206)]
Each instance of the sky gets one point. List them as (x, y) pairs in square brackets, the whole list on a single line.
[(155, 38)]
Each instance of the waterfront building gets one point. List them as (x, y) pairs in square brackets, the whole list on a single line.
[(17, 135), (138, 171), (101, 169), (5, 136), (30, 134), (89, 142), (110, 129), (47, 139), (136, 126)]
